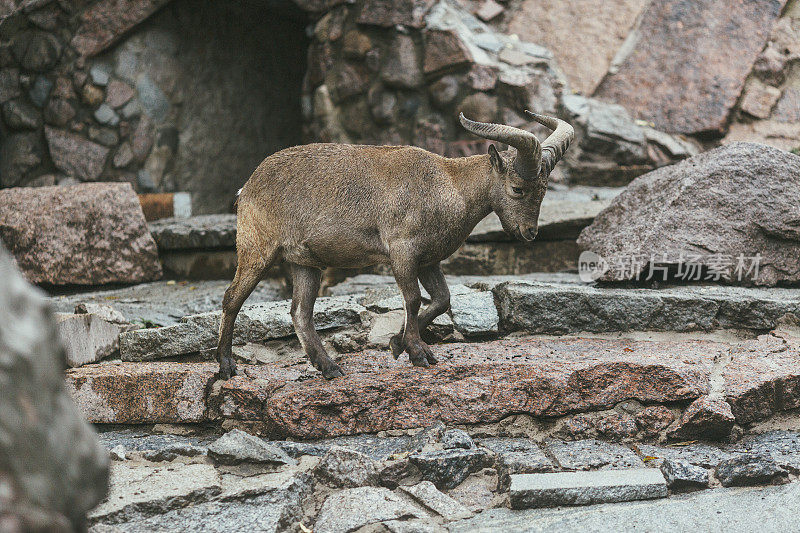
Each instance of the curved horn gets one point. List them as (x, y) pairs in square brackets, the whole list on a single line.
[(557, 143), (529, 149)]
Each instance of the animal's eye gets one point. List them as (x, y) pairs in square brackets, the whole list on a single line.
[(517, 191)]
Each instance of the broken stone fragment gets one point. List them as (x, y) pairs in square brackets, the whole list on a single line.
[(237, 447), (681, 474), (750, 469), (344, 468), (88, 338), (448, 468), (350, 509), (706, 418), (457, 438), (103, 311), (426, 493)]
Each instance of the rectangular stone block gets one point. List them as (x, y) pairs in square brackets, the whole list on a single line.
[(87, 338), (139, 393), (585, 488)]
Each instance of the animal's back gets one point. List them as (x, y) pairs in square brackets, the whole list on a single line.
[(307, 197)]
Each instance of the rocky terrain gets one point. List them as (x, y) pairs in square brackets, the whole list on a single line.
[(636, 369)]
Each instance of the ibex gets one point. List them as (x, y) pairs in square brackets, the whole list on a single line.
[(352, 206)]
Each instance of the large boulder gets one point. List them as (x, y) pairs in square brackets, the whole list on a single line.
[(685, 65), (52, 468), (728, 214), (89, 234)]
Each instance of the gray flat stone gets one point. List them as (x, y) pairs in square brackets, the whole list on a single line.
[(139, 440), (474, 313), (585, 488), (558, 308), (164, 303), (591, 454), (762, 510), (703, 455), (197, 232), (782, 446), (428, 495), (139, 491), (237, 446), (351, 509), (255, 323)]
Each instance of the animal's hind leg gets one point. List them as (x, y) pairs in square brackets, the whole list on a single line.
[(250, 268), (306, 282), (432, 278)]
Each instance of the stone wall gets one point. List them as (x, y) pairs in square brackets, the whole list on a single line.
[(191, 100)]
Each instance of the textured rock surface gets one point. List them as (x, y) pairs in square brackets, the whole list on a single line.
[(571, 308), (442, 504), (351, 509), (585, 488), (771, 508), (76, 156), (144, 392), (448, 468), (763, 378), (707, 419), (681, 474), (88, 338), (583, 55), (255, 323), (164, 303), (590, 454), (203, 231), (749, 469), (344, 468), (138, 490), (733, 201), (717, 53), (237, 446), (52, 468), (106, 21), (540, 377), (81, 234)]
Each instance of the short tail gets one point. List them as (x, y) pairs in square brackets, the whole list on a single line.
[(236, 202)]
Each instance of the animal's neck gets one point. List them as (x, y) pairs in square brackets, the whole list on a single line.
[(472, 177)]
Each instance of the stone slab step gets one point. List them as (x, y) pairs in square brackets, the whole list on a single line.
[(585, 488), (481, 382), (473, 383), (764, 509)]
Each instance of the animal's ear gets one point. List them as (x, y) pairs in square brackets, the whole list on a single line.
[(497, 162)]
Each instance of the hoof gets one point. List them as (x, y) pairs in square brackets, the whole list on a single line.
[(227, 368), (421, 354), (333, 371), (396, 344)]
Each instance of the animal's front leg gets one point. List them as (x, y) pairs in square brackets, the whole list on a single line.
[(432, 278), (405, 273)]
